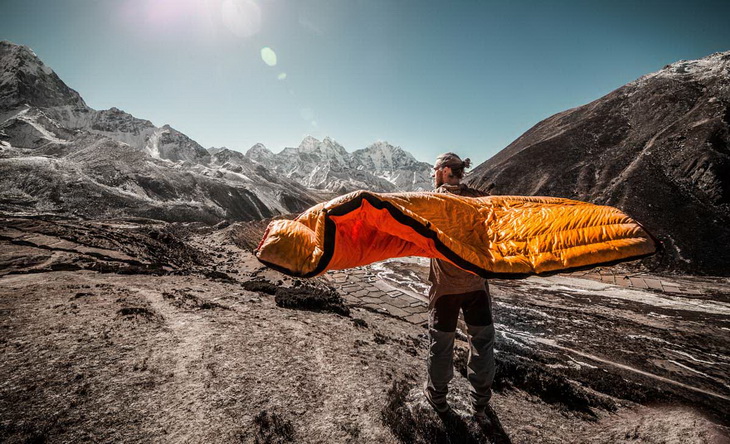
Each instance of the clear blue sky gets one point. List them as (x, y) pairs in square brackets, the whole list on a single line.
[(430, 76)]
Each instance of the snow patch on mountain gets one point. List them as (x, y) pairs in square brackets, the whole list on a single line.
[(152, 146), (714, 66), (46, 134), (326, 165)]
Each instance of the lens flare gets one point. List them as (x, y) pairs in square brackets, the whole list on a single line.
[(307, 114), (268, 56), (281, 76)]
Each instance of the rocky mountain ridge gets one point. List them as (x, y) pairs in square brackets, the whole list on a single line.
[(24, 79), (658, 148), (59, 155), (326, 165)]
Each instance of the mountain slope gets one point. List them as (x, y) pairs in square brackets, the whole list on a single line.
[(59, 155), (658, 148), (24, 79)]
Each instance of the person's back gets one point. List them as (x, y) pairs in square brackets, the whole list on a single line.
[(453, 289), (443, 275)]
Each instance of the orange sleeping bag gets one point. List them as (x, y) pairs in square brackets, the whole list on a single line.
[(504, 235)]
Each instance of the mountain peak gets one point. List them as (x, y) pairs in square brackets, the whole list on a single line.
[(259, 153), (331, 145), (382, 155), (309, 143), (328, 148), (259, 147), (25, 79), (385, 147), (713, 66), (19, 57)]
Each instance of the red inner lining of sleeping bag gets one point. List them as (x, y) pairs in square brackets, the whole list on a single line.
[(369, 235)]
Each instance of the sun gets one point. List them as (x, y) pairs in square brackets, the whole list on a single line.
[(241, 17)]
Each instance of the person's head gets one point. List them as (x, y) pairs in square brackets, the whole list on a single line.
[(449, 169)]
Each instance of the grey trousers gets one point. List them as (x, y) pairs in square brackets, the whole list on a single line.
[(443, 318)]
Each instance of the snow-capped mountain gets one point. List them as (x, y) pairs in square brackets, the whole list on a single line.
[(326, 165), (24, 79), (658, 148), (59, 155), (259, 153), (395, 165)]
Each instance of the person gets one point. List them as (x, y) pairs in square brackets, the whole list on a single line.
[(453, 289)]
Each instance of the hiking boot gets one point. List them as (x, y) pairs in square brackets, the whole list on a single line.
[(481, 416), (440, 407)]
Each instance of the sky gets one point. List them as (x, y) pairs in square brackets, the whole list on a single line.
[(430, 76)]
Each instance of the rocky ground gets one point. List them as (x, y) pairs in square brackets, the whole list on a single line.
[(136, 330)]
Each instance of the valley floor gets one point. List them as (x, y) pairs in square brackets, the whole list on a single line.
[(139, 331)]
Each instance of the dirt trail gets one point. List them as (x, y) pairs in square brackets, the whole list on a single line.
[(185, 408)]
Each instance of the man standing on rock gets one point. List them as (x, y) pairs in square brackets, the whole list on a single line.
[(453, 289)]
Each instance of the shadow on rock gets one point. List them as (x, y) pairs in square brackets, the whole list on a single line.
[(139, 314), (530, 374), (273, 428), (188, 301), (311, 298), (260, 286), (302, 296), (412, 420)]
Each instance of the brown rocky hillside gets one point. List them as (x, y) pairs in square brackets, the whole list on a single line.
[(658, 148)]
